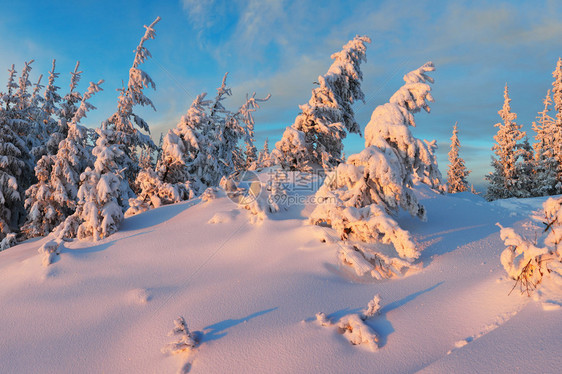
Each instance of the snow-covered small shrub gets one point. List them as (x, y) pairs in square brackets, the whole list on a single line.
[(528, 262), (49, 250), (373, 308), (368, 261), (8, 241), (353, 326), (322, 319), (186, 342), (354, 329), (210, 193), (155, 193), (276, 193)]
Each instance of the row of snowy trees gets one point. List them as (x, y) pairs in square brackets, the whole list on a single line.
[(522, 170), (56, 175), (40, 132), (85, 182), (200, 150)]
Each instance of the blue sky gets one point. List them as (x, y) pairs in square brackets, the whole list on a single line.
[(280, 47)]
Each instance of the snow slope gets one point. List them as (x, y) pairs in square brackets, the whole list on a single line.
[(252, 291)]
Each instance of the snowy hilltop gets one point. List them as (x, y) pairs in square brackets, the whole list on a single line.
[(272, 295)]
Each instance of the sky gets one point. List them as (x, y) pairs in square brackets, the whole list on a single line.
[(281, 47)]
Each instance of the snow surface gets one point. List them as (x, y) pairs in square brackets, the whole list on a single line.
[(251, 293)]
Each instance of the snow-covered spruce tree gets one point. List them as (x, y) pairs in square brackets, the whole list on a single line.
[(188, 151), (39, 123), (556, 133), (99, 210), (47, 116), (545, 159), (228, 130), (16, 114), (264, 156), (68, 106), (15, 161), (457, 173), (51, 96), (246, 110), (29, 117), (124, 122), (503, 179), (315, 138), (53, 197), (525, 171), (526, 261), (359, 198), (12, 150)]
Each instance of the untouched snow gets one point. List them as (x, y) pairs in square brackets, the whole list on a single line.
[(251, 293)]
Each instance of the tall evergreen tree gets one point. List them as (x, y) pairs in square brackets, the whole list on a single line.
[(124, 122), (503, 179), (525, 184), (99, 211), (315, 138), (457, 173), (68, 104), (16, 172), (246, 113), (264, 156), (556, 128), (12, 154), (545, 159)]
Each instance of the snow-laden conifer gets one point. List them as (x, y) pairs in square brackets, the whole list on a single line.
[(457, 173), (51, 96), (68, 105), (51, 114), (12, 149), (526, 181), (125, 123), (100, 208), (556, 129), (503, 179), (360, 197), (545, 159), (264, 156), (246, 113), (315, 138)]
